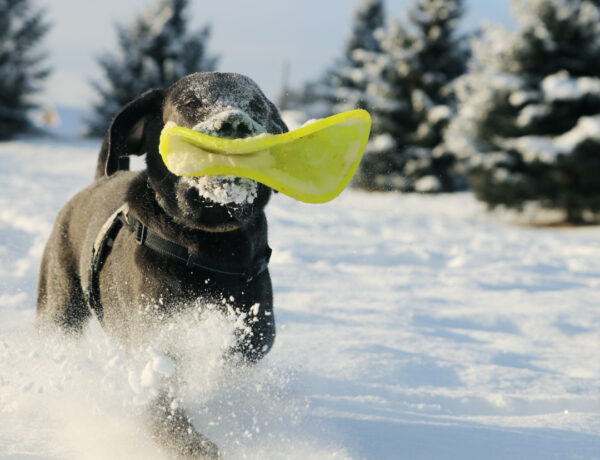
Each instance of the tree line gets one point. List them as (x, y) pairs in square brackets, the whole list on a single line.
[(514, 114), (154, 50)]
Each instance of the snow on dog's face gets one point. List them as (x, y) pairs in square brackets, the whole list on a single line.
[(223, 105)]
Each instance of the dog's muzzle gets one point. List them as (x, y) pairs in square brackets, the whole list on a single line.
[(224, 189), (230, 124)]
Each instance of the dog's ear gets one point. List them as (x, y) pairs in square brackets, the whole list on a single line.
[(129, 131)]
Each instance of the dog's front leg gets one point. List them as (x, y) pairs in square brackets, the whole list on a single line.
[(173, 430)]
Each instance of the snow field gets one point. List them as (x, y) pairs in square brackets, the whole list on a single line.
[(409, 327)]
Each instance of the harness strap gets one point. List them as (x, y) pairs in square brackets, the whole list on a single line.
[(149, 238), (102, 247)]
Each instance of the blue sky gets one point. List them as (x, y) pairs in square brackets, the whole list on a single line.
[(252, 37)]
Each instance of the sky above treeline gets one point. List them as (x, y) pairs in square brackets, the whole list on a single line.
[(253, 38)]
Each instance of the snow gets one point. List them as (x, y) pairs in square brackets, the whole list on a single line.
[(409, 327), (586, 128), (531, 113), (428, 184), (562, 87), (224, 190), (381, 143), (439, 113), (519, 98), (547, 148), (534, 148)]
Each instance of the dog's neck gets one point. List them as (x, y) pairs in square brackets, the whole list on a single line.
[(150, 208)]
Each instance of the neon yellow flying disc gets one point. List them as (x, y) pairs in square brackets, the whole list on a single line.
[(313, 163)]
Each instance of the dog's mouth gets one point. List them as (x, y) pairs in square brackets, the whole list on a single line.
[(218, 200), (214, 201), (227, 190)]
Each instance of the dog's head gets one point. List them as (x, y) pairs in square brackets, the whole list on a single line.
[(220, 104)]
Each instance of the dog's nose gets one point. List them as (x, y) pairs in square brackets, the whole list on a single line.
[(236, 125)]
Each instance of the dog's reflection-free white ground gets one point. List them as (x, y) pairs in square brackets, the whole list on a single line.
[(408, 327)]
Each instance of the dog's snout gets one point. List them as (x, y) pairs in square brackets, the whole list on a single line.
[(236, 126), (243, 130), (231, 124), (226, 129)]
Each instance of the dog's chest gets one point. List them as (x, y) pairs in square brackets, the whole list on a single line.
[(141, 285)]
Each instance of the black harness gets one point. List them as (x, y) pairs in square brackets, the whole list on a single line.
[(147, 237)]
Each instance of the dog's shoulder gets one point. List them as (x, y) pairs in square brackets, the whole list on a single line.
[(100, 198), (85, 213)]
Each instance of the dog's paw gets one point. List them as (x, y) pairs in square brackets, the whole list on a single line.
[(173, 431), (200, 447), (188, 445)]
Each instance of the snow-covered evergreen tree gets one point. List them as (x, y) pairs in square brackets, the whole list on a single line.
[(342, 87), (154, 52), (313, 100), (21, 63), (529, 117), (409, 94), (347, 78)]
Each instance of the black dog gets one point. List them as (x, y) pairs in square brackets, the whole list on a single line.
[(136, 248)]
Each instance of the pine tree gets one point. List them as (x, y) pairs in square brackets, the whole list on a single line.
[(347, 78), (409, 94), (529, 119), (342, 87), (21, 64), (155, 52)]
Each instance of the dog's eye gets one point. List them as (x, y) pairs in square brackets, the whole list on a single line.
[(192, 104)]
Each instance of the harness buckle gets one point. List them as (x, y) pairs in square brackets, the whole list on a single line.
[(141, 233)]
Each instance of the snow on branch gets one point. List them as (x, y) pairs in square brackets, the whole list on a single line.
[(561, 86)]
